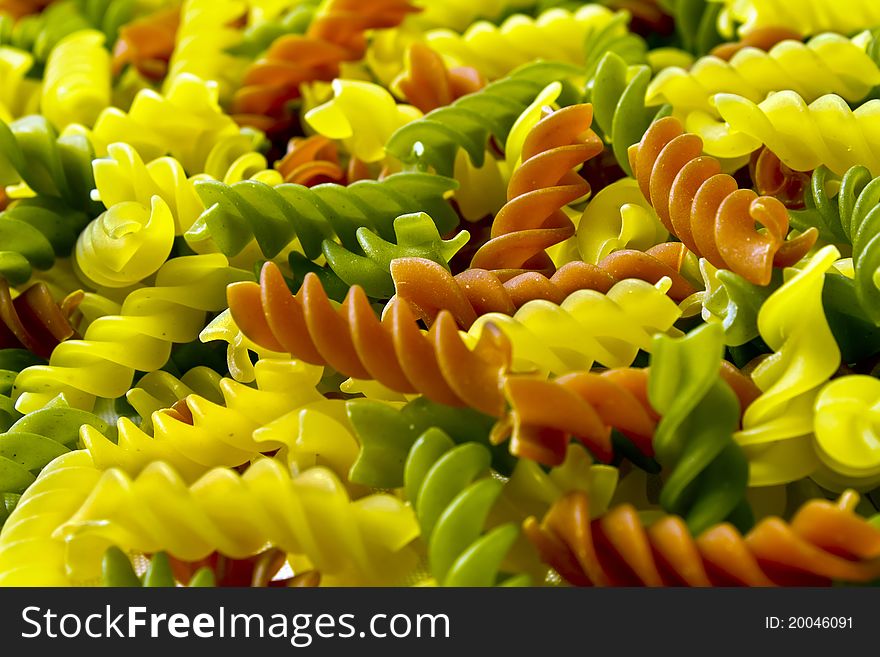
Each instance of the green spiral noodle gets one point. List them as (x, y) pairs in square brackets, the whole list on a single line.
[(12, 361), (617, 92), (709, 471), (387, 435), (849, 219), (696, 23), (452, 492), (434, 140), (117, 570), (58, 170), (37, 438), (249, 211), (416, 236)]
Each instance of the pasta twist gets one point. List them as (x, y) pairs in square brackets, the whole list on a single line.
[(29, 556), (416, 235), (544, 415), (34, 320), (206, 31), (458, 14), (803, 136), (198, 434), (428, 287), (353, 341), (36, 439), (532, 220), (556, 34), (250, 211), (336, 35), (807, 18), (849, 218), (362, 115), (777, 427), (773, 178), (694, 439), (19, 95), (846, 440), (139, 337), (762, 38), (117, 570), (434, 140), (821, 66), (76, 84), (198, 135), (427, 83), (313, 160), (617, 93), (696, 22), (387, 433), (448, 486), (588, 327), (147, 44), (349, 541), (707, 211), (824, 542)]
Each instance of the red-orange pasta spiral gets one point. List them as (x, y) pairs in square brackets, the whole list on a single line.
[(336, 35), (34, 320), (430, 288), (147, 43), (824, 542), (773, 178), (532, 220), (707, 211), (544, 415), (353, 341), (428, 84), (314, 160), (762, 38)]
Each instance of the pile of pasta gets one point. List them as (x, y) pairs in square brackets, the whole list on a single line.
[(435, 292)]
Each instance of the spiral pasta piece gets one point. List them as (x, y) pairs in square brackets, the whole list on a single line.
[(313, 160), (694, 438), (19, 95), (824, 542), (199, 132), (434, 140), (362, 115), (429, 288), (349, 541), (249, 211), (205, 34), (147, 44), (34, 320), (452, 496), (588, 327), (777, 428), (849, 218), (151, 319), (427, 83), (353, 341), (532, 220), (35, 440), (804, 136), (76, 84), (458, 14), (336, 35), (821, 66), (773, 178), (806, 18), (696, 22), (706, 209), (617, 93), (199, 434), (29, 556), (556, 34)]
